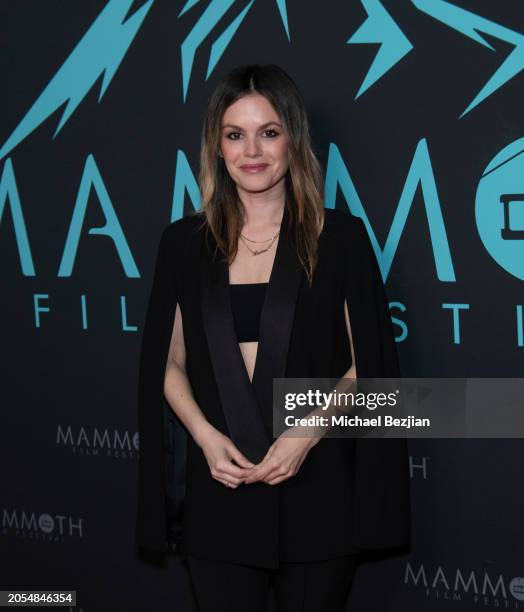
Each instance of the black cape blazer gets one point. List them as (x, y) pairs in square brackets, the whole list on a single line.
[(348, 495)]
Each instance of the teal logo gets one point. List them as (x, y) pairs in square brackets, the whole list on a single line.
[(499, 208), (100, 51), (206, 23), (381, 29)]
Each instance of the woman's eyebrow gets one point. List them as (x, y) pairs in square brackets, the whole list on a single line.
[(236, 127)]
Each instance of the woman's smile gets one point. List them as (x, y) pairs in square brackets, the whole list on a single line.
[(254, 168)]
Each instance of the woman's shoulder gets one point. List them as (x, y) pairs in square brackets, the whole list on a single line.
[(184, 228), (341, 224), (346, 233)]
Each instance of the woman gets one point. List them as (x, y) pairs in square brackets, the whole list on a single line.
[(264, 283)]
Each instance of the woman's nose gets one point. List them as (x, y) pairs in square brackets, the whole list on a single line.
[(252, 147)]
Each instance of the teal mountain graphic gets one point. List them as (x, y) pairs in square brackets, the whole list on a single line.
[(211, 15), (380, 28), (100, 51)]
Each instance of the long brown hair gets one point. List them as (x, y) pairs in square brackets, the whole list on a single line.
[(304, 181)]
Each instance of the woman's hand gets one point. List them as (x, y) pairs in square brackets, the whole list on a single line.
[(220, 452), (282, 460)]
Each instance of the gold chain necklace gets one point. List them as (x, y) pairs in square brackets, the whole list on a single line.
[(260, 241), (257, 252)]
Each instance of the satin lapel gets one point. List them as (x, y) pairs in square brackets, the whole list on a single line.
[(276, 323), (248, 407), (241, 411)]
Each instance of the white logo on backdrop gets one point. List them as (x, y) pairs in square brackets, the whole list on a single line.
[(95, 441), (41, 526), (461, 585)]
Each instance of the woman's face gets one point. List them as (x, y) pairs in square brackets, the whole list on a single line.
[(254, 145)]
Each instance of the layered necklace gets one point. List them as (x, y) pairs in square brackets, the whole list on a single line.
[(258, 251)]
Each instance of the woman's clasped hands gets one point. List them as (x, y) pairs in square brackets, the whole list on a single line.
[(230, 467)]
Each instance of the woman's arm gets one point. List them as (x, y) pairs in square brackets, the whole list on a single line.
[(177, 389), (352, 372), (218, 449)]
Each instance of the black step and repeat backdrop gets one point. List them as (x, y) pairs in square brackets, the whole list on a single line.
[(416, 115)]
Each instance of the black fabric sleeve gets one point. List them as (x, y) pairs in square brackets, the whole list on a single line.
[(381, 486), (156, 335)]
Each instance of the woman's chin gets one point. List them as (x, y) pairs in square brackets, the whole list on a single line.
[(255, 186)]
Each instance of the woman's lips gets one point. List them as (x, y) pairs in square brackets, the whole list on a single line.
[(254, 168)]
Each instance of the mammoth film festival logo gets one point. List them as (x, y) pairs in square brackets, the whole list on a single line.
[(42, 526), (481, 587), (499, 205)]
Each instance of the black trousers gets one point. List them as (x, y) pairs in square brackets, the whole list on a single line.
[(298, 587)]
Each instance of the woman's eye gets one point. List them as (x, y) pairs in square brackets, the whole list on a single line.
[(237, 135)]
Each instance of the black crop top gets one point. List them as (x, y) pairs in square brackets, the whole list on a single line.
[(246, 304)]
